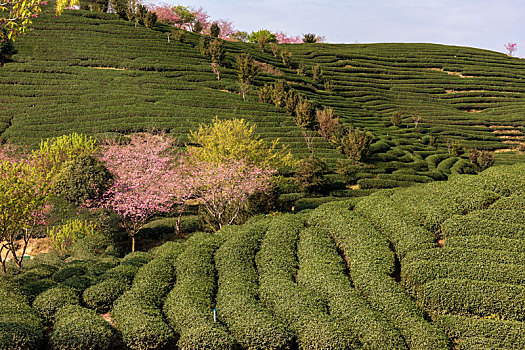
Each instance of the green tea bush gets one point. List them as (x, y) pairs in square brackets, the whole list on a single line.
[(405, 231), (508, 334), (306, 313), (136, 259), (49, 302), (20, 325), (251, 324), (468, 297), (69, 271), (125, 273), (189, 305), (76, 327), (470, 226), (100, 296), (323, 271), (371, 265), (154, 280)]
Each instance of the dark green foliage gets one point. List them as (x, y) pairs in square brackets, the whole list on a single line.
[(100, 297), (309, 174), (197, 27), (150, 19), (309, 38), (94, 5), (304, 113), (76, 327), (85, 178), (78, 283), (49, 302), (21, 327), (137, 312), (506, 334), (122, 272), (305, 312), (467, 298), (69, 271), (352, 142), (7, 49), (252, 325), (215, 30), (323, 271), (371, 263), (136, 259), (189, 305)]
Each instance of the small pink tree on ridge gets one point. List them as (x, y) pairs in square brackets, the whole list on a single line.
[(511, 48)]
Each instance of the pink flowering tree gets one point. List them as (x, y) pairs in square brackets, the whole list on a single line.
[(511, 48), (224, 188), (148, 180), (283, 38)]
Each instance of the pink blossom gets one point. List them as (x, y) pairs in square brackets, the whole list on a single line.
[(282, 38)]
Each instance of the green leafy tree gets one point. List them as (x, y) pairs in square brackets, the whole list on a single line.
[(317, 73), (150, 19), (197, 27), (24, 191), (236, 140), (286, 56), (215, 30), (247, 70), (261, 42), (83, 179), (185, 16), (304, 113), (54, 152), (309, 174), (65, 235), (254, 36), (16, 15), (353, 142)]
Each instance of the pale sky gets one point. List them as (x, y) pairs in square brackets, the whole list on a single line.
[(487, 24)]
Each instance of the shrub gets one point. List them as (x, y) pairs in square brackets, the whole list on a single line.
[(189, 305), (150, 19), (67, 234), (136, 259), (286, 57), (304, 113), (317, 73), (20, 325), (76, 327), (141, 324), (78, 283), (100, 297), (251, 324), (309, 174), (69, 271), (482, 159), (123, 272), (7, 49), (327, 122), (215, 30), (49, 302)]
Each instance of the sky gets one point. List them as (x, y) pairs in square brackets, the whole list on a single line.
[(487, 24)]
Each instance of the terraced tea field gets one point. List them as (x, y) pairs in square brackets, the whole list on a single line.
[(93, 73), (442, 270)]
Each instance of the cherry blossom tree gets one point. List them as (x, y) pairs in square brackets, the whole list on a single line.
[(511, 48), (224, 188), (283, 38), (147, 179)]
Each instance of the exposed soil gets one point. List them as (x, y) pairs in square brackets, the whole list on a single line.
[(474, 111), (34, 247), (111, 68), (354, 187), (441, 242), (268, 68), (451, 73), (107, 317)]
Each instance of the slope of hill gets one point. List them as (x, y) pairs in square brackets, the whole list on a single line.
[(443, 270), (90, 72)]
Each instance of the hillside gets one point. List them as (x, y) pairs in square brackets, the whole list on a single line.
[(89, 72), (442, 270)]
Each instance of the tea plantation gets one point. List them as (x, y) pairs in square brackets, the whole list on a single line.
[(93, 73), (443, 270)]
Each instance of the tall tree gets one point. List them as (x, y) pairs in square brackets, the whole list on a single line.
[(246, 72), (147, 180)]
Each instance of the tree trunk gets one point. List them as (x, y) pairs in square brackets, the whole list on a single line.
[(133, 243)]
